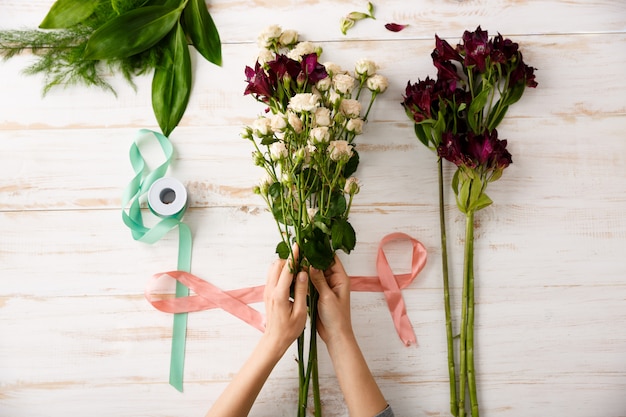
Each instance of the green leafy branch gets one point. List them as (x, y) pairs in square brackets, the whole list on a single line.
[(78, 40)]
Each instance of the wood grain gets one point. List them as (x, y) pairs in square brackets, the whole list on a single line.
[(78, 338)]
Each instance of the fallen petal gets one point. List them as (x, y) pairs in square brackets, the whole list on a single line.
[(395, 27)]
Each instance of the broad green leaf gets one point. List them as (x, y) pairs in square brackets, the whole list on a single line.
[(202, 31), (318, 251), (275, 190), (171, 85), (67, 13), (351, 165), (496, 117), (343, 236), (337, 205), (482, 202), (268, 140), (131, 33), (420, 132), (282, 249)]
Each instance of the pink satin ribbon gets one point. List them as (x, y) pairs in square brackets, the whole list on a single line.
[(236, 302)]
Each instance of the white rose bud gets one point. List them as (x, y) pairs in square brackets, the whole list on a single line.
[(295, 122), (322, 116), (344, 83), (352, 186), (278, 151), (288, 37), (262, 126), (340, 150), (377, 83), (304, 102), (350, 108), (365, 67), (311, 212), (355, 126), (324, 84), (264, 183)]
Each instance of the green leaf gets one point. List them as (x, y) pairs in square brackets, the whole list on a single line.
[(352, 164), (67, 13), (282, 249), (420, 132), (202, 31), (318, 251), (275, 190), (131, 33), (476, 108), (343, 235), (171, 85), (268, 140), (482, 202), (337, 205)]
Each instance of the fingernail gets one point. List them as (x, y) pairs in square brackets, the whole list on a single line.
[(302, 277)]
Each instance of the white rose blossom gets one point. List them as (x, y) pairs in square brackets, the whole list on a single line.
[(365, 67), (265, 56), (269, 34), (340, 150), (320, 135), (278, 151), (377, 83), (302, 49), (355, 126), (350, 108), (304, 102), (262, 126), (322, 116), (288, 37), (278, 122), (344, 83), (295, 122), (333, 69)]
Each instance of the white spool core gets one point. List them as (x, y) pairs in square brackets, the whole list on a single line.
[(167, 196)]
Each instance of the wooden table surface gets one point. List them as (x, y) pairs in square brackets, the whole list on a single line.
[(78, 338)]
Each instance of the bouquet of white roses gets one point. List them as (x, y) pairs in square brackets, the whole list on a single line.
[(305, 143)]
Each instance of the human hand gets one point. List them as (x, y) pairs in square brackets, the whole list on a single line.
[(285, 319), (333, 306)]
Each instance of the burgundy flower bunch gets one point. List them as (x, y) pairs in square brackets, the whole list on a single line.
[(456, 116)]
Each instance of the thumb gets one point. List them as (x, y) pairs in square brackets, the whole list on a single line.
[(319, 280), (300, 290)]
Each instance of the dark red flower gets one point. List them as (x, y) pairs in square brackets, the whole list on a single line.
[(471, 150), (259, 84), (523, 73), (444, 51), (281, 66), (313, 70), (419, 98), (395, 27), (476, 48)]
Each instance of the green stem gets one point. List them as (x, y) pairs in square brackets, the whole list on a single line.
[(313, 352), (471, 374), (463, 360), (454, 410), (302, 397)]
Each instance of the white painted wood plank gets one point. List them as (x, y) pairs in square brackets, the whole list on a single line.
[(564, 66), (240, 21)]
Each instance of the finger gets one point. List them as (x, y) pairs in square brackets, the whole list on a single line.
[(272, 275), (337, 275), (299, 293), (287, 272), (319, 280)]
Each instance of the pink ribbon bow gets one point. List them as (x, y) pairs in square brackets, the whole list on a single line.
[(236, 302)]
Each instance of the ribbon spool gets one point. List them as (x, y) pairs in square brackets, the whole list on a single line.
[(167, 198)]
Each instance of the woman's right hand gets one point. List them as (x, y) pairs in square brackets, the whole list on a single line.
[(333, 286)]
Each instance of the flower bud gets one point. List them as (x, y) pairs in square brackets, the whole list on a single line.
[(288, 37), (377, 83), (365, 67), (352, 186)]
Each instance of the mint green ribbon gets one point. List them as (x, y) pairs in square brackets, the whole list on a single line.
[(135, 192)]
